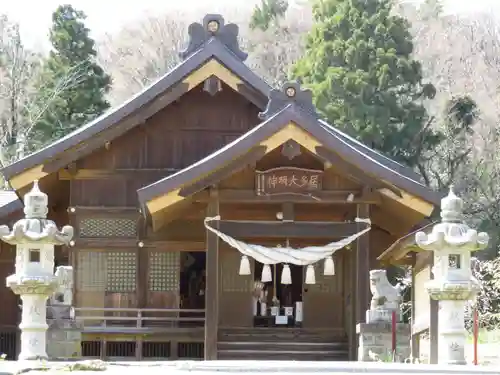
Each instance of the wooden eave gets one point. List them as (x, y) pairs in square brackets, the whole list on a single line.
[(404, 245), (292, 122), (212, 59), (11, 207)]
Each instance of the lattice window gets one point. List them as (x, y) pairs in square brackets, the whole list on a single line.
[(108, 227), (91, 271), (164, 269), (121, 271)]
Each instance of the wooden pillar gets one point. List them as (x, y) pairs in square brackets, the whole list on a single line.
[(433, 323), (142, 279), (415, 340), (362, 294), (212, 282)]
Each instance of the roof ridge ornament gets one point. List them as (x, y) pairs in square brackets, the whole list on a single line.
[(290, 93), (213, 26)]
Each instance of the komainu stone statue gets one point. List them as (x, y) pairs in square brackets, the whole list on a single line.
[(64, 293), (375, 335), (384, 295), (64, 333)]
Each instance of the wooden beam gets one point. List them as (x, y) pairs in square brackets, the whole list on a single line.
[(353, 172), (103, 211), (288, 211), (415, 340), (288, 229), (363, 295), (433, 323), (118, 174), (142, 264), (187, 245), (101, 243), (212, 284), (213, 178), (320, 197), (193, 230)]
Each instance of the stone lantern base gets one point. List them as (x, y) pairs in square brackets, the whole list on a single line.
[(34, 292), (375, 340)]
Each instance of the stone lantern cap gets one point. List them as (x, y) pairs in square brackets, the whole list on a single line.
[(452, 230), (35, 227)]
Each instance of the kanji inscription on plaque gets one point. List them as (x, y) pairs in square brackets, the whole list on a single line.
[(288, 180)]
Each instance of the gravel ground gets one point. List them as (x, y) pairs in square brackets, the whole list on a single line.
[(232, 367)]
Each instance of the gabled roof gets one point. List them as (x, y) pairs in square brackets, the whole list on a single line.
[(9, 202), (204, 47), (406, 244), (294, 113)]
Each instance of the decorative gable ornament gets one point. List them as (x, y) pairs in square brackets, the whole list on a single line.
[(213, 26), (291, 93)]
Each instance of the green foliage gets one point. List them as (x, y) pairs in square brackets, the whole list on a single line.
[(71, 64), (358, 64), (268, 13), (444, 164), (488, 299)]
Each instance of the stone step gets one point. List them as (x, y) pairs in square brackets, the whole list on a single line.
[(282, 345), (282, 355), (279, 335)]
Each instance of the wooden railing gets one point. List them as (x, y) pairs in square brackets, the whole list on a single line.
[(176, 333), (140, 318)]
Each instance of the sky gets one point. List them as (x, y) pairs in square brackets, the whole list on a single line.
[(107, 16)]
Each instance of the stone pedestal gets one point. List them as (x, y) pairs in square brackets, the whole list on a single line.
[(452, 333), (64, 339), (34, 292), (375, 340)]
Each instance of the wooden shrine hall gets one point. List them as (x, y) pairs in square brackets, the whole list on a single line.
[(218, 218)]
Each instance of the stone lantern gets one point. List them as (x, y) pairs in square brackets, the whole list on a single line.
[(452, 242), (35, 237)]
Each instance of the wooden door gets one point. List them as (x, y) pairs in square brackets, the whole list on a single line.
[(323, 305), (235, 291)]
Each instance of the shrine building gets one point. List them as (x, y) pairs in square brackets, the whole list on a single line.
[(218, 218)]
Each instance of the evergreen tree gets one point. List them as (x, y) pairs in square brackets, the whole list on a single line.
[(358, 64), (268, 14), (73, 54)]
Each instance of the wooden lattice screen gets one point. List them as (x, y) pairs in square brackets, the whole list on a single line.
[(100, 227), (164, 269), (106, 279), (164, 279)]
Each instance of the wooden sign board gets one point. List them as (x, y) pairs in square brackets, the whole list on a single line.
[(288, 180)]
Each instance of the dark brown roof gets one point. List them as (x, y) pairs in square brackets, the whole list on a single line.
[(213, 48), (407, 243), (9, 202), (364, 158)]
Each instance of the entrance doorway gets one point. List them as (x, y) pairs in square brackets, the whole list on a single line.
[(192, 284), (278, 307)]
